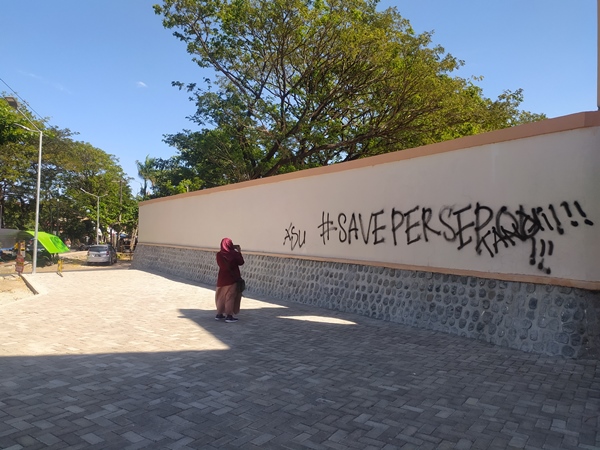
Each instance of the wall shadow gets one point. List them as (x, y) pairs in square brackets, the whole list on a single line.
[(295, 376)]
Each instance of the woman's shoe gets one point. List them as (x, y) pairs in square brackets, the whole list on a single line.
[(231, 319), (219, 316)]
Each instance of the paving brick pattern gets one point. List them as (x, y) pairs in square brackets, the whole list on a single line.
[(538, 318), (125, 359)]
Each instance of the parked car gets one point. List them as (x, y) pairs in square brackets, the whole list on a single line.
[(101, 254), (7, 254)]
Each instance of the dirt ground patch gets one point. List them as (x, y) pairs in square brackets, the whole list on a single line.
[(13, 287), (71, 261)]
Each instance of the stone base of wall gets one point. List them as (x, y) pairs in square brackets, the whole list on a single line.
[(537, 318)]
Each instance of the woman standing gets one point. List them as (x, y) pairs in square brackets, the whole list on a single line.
[(227, 295)]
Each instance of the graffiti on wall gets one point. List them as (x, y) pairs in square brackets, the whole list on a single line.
[(487, 231), (294, 236)]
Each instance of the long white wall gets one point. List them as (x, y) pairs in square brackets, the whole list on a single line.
[(523, 201)]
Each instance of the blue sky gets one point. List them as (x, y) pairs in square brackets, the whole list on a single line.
[(104, 68)]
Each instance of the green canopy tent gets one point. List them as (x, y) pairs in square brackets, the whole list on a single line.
[(52, 244)]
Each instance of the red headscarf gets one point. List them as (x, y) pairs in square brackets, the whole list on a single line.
[(227, 250)]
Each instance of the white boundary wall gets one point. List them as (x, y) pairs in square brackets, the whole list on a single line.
[(521, 203)]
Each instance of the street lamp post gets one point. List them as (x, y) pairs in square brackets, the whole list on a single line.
[(120, 181), (14, 104), (115, 241), (97, 211)]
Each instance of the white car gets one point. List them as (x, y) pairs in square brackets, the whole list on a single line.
[(101, 254)]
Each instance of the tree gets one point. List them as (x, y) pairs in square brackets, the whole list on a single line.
[(18, 165), (305, 83), (96, 173), (67, 167), (147, 172)]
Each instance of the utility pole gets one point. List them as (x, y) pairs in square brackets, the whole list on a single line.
[(121, 196), (97, 211), (12, 102), (116, 240)]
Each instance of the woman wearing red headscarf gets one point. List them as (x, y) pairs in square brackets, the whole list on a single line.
[(228, 296)]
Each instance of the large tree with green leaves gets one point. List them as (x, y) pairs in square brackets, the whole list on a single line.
[(304, 83), (68, 168), (18, 164)]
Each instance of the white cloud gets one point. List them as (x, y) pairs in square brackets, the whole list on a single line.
[(55, 85), (141, 84)]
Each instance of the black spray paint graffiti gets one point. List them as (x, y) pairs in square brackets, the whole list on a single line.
[(487, 230), (296, 238)]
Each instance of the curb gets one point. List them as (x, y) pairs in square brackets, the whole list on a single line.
[(31, 284)]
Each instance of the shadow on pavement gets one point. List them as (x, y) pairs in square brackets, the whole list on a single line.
[(288, 376)]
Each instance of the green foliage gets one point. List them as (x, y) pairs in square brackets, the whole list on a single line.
[(171, 178), (147, 172), (304, 83), (68, 166)]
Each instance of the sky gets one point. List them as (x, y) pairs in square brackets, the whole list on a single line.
[(103, 68)]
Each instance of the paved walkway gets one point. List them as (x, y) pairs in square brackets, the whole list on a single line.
[(123, 359)]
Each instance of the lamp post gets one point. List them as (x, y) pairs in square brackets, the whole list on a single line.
[(12, 102), (120, 181), (97, 211), (115, 241)]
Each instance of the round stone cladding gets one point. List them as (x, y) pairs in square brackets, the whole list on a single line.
[(538, 318)]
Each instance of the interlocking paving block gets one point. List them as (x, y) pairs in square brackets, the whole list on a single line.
[(536, 318), (129, 359)]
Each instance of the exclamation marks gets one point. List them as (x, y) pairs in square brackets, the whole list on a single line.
[(543, 245), (579, 210), (552, 222), (555, 217), (584, 215), (568, 211)]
